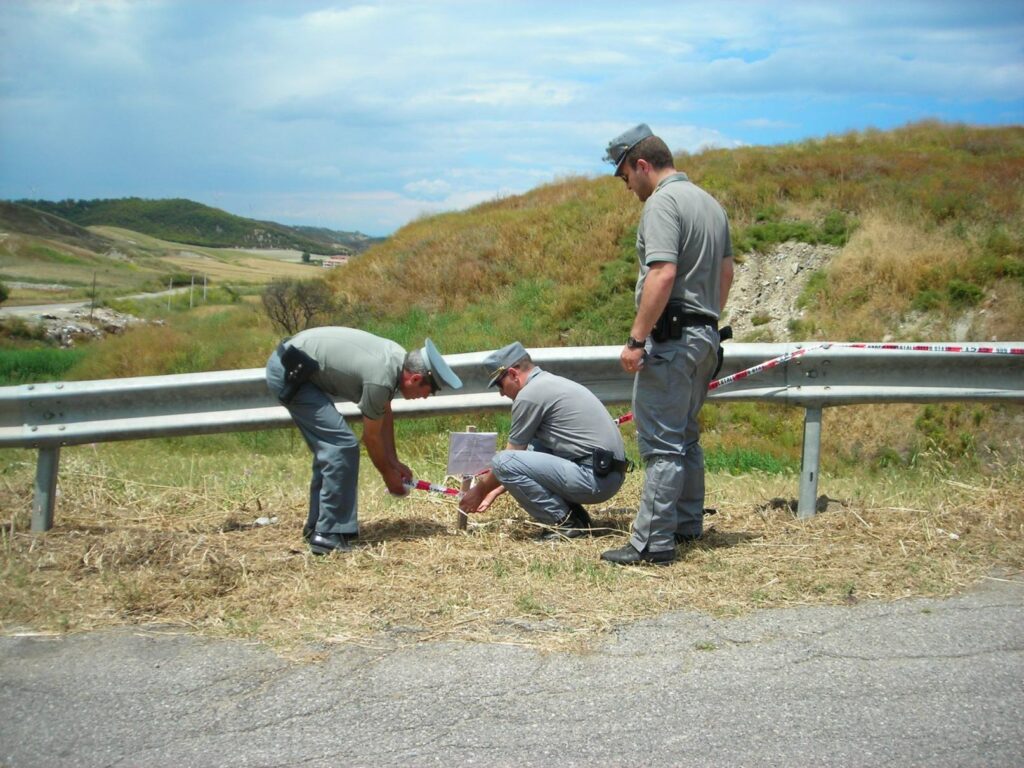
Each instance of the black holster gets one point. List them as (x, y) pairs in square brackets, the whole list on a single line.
[(724, 334), (298, 368)]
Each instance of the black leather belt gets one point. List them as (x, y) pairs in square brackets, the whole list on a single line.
[(689, 320)]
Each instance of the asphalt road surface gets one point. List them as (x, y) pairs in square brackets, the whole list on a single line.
[(913, 683)]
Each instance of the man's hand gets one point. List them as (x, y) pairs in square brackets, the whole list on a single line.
[(632, 360), (404, 471), (479, 497), (489, 498), (395, 482), (472, 499)]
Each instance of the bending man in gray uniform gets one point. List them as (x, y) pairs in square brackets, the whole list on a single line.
[(306, 373), (685, 258), (564, 450)]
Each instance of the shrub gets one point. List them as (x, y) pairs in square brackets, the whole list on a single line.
[(15, 327), (836, 229), (963, 294), (295, 305), (925, 300)]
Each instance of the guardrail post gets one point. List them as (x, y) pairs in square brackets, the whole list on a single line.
[(809, 463), (45, 498)]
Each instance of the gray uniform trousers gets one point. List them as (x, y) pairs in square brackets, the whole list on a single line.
[(668, 393), (542, 483), (333, 490)]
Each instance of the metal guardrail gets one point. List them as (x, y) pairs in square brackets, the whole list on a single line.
[(52, 415)]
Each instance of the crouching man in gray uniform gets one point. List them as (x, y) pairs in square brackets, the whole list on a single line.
[(576, 452), (306, 373)]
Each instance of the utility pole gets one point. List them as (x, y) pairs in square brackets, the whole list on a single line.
[(92, 304), (190, 289)]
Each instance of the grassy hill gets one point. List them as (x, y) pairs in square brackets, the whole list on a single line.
[(185, 221), (930, 218), (31, 221)]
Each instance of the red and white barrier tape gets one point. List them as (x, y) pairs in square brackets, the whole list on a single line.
[(423, 485), (782, 359), (766, 365), (969, 348)]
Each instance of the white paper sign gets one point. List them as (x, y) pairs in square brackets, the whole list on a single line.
[(470, 452)]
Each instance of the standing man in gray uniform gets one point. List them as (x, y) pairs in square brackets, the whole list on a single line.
[(564, 450), (306, 373), (685, 257)]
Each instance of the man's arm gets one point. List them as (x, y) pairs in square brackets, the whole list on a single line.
[(388, 433), (379, 439), (485, 490), (657, 290), (727, 274)]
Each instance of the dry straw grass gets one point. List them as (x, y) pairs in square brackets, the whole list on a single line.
[(188, 554)]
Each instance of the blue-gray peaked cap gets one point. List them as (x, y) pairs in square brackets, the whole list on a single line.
[(619, 147), (501, 360), (440, 373)]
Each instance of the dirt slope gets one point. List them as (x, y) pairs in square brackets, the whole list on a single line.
[(766, 287)]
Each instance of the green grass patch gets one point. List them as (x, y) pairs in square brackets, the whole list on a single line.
[(45, 253), (26, 366), (742, 460), (767, 230), (813, 289)]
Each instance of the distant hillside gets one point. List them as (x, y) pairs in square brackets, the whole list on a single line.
[(184, 221), (31, 221), (356, 241)]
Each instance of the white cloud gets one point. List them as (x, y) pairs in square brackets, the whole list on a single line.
[(387, 110), (429, 188)]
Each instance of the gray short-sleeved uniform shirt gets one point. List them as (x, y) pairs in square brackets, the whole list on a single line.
[(355, 365), (564, 417), (683, 224)]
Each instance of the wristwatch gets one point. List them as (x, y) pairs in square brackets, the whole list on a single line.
[(635, 343)]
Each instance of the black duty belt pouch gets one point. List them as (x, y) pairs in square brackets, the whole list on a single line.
[(298, 368), (673, 320), (604, 463)]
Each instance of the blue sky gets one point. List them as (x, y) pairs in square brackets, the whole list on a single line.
[(364, 116)]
